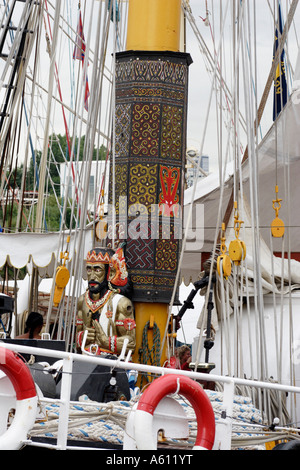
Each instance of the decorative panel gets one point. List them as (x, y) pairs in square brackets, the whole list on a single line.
[(150, 146)]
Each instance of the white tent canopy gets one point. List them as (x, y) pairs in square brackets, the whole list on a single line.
[(278, 163), (40, 249)]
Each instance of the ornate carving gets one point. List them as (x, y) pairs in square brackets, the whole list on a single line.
[(169, 196), (145, 129), (171, 136), (143, 181)]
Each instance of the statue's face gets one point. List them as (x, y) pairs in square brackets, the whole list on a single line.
[(96, 275), (112, 272)]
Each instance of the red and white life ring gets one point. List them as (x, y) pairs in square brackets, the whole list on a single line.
[(192, 391), (26, 408)]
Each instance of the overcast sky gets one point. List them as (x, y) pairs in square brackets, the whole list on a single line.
[(200, 83)]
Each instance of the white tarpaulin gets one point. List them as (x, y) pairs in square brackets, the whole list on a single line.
[(279, 163), (42, 249)]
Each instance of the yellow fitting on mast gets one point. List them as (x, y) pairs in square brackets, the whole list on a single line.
[(62, 277), (237, 248), (154, 25), (224, 261), (277, 226)]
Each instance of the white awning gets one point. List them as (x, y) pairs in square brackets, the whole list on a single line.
[(40, 249), (278, 157)]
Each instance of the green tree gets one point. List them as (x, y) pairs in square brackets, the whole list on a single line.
[(58, 153)]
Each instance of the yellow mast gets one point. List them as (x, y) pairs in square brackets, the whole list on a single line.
[(153, 25)]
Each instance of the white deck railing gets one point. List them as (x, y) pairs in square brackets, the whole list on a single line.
[(69, 358)]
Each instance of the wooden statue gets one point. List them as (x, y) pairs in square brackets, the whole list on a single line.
[(104, 311)]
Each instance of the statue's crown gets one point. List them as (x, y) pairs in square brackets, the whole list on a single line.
[(98, 256)]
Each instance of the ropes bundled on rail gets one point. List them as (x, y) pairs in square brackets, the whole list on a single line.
[(102, 422), (105, 422)]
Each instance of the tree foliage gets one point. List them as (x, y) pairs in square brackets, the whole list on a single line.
[(57, 154)]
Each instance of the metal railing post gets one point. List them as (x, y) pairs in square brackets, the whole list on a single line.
[(64, 403), (226, 417)]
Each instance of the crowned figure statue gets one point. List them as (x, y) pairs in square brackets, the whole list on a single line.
[(104, 310)]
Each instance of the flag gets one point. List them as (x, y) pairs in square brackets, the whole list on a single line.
[(280, 82), (79, 54), (79, 51)]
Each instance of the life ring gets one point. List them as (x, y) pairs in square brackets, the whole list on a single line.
[(26, 408), (192, 391)]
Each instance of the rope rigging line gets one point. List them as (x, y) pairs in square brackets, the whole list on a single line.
[(189, 217), (241, 280), (218, 224), (212, 59), (60, 96), (21, 49), (93, 117), (20, 203)]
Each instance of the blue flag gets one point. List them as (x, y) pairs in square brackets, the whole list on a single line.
[(280, 82)]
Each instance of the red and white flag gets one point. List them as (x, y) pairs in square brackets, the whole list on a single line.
[(79, 54)]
